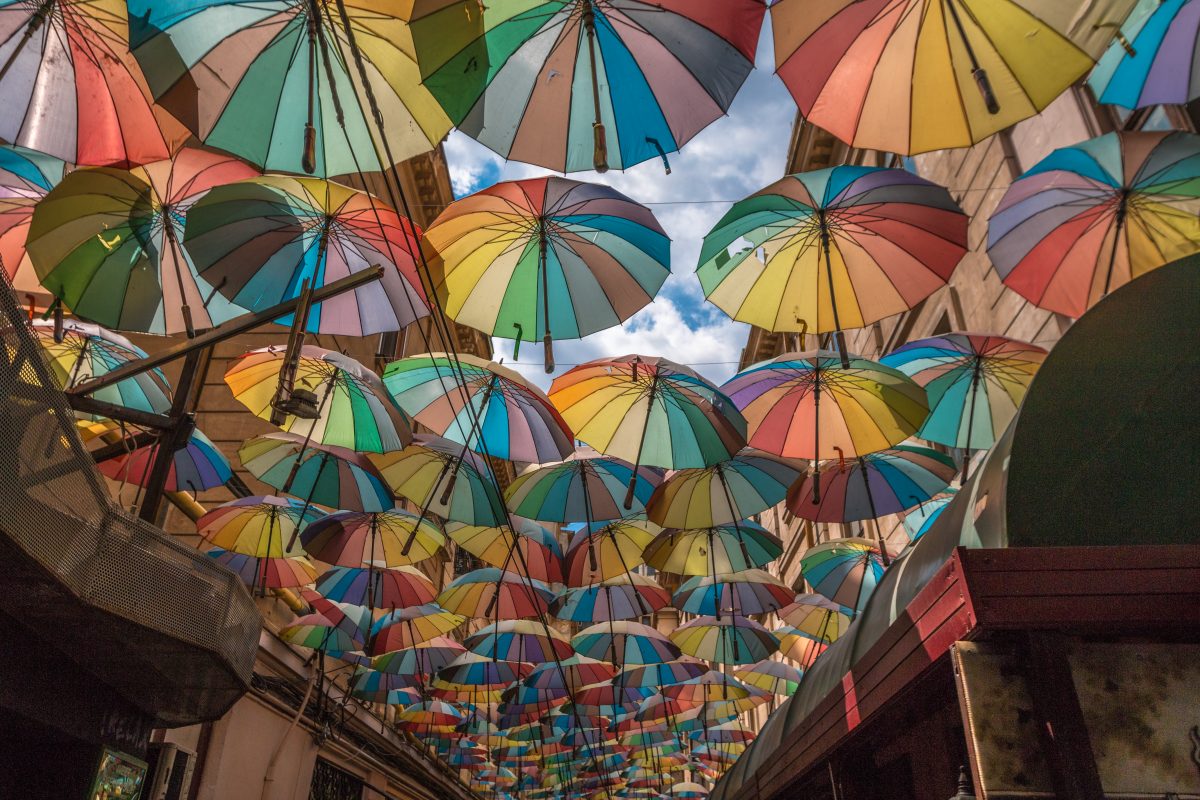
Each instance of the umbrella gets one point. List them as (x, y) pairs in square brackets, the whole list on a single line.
[(319, 632), (798, 646), (381, 687), (578, 86), (729, 732), (260, 239), (471, 669), (261, 527), (428, 712), (271, 573), (919, 75), (709, 497), (421, 659), (1089, 218), (88, 351), (708, 551), (443, 479), (26, 176), (195, 467), (975, 385), (844, 570), (605, 550), (1154, 58), (570, 674), (406, 628), (397, 587), (711, 687), (629, 595), (282, 85), (352, 408), (480, 404), (728, 640), (523, 546), (491, 592), (874, 485), (70, 88), (664, 674), (868, 407), (624, 643), (323, 474), (609, 698), (347, 619), (686, 790), (649, 410), (833, 249), (775, 677), (751, 591), (544, 257), (372, 538), (581, 488), (918, 521), (816, 617), (519, 640)]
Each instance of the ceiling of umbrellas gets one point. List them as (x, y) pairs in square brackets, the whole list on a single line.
[(171, 166)]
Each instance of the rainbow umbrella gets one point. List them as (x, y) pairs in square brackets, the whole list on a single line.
[(519, 640), (608, 698), (26, 176), (480, 404), (1154, 60), (424, 658), (88, 351), (406, 628), (975, 385), (71, 88), (318, 632), (581, 488), (816, 617), (663, 707), (1089, 218), (396, 587), (918, 521), (868, 406), (798, 646), (544, 257), (844, 570), (605, 550), (919, 75), (629, 595), (271, 573), (707, 551), (442, 478), (833, 249), (874, 485), (723, 494), (282, 85), (687, 790), (752, 591), (522, 546), (472, 669), (491, 592), (258, 240), (577, 86), (664, 674), (728, 733), (570, 674), (372, 538), (262, 527), (195, 467), (775, 677), (381, 687), (428, 712), (711, 687), (624, 643), (728, 640), (323, 474), (352, 407)]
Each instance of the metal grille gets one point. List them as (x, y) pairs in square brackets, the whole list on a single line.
[(177, 633), (331, 783)]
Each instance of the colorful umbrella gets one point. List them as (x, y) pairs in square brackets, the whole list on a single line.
[(352, 407), (195, 467), (581, 488), (471, 669), (570, 674), (751, 591), (868, 407), (406, 628), (577, 86), (381, 687), (918, 521), (601, 551), (844, 570), (281, 84), (480, 404), (975, 385), (711, 687), (348, 620), (271, 573), (262, 527), (428, 712), (833, 249), (919, 75), (723, 494), (368, 538), (686, 790), (608, 698), (495, 593), (798, 646), (665, 674), (519, 640), (318, 632), (708, 551), (323, 474), (624, 643), (26, 176), (420, 660), (1154, 60), (522, 546), (775, 677), (544, 257), (443, 479), (1089, 218), (71, 88), (627, 596), (258, 240), (728, 640), (397, 587), (873, 485), (816, 617)]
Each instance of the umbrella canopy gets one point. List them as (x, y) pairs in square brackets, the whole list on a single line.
[(382, 687), (26, 176), (818, 618), (73, 90), (397, 587), (319, 632), (495, 593), (471, 669), (353, 409), (664, 674), (1155, 59), (627, 596), (975, 385), (429, 712), (570, 674), (360, 538), (711, 687), (88, 351), (1089, 218), (833, 249), (752, 591), (581, 488), (605, 550), (578, 86), (918, 520), (259, 239), (624, 643), (522, 546), (873, 485), (546, 257), (195, 467), (263, 527), (281, 85), (728, 640), (421, 660), (519, 640), (270, 573), (844, 570), (323, 474), (707, 551), (687, 790), (708, 497), (406, 628), (775, 677), (798, 646), (919, 75), (479, 403), (443, 479)]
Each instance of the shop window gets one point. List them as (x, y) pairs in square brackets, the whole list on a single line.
[(332, 783)]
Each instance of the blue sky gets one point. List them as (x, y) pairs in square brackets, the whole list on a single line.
[(730, 159)]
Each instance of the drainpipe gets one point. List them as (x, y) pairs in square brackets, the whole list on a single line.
[(269, 775)]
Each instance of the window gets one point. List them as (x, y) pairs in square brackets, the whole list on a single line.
[(332, 783)]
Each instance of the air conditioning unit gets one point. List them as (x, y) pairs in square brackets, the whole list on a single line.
[(171, 770)]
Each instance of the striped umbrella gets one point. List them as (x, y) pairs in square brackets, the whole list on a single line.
[(608, 698), (570, 674), (546, 257), (728, 640), (368, 538), (259, 239), (816, 617), (730, 732), (626, 596), (918, 521), (844, 571), (751, 591), (708, 551), (709, 497), (262, 527), (624, 643), (775, 677), (419, 660), (492, 592), (1091, 217), (380, 687), (581, 488), (443, 479), (26, 176), (318, 632), (1155, 59), (428, 712), (195, 467), (798, 646), (471, 669), (522, 546), (352, 407), (396, 587), (323, 474), (351, 623), (873, 485), (406, 628), (833, 249), (519, 640), (271, 573), (711, 687), (664, 674), (605, 550)]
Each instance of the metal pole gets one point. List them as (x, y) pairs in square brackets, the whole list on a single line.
[(171, 440)]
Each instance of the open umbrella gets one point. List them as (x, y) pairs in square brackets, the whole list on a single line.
[(522, 546), (624, 643), (89, 351), (728, 640), (405, 628), (419, 660), (752, 591), (732, 490), (395, 587), (1155, 60), (323, 474), (491, 592), (570, 674), (629, 595), (816, 617), (281, 83), (382, 687), (546, 257), (775, 677), (258, 240), (519, 640), (335, 631), (26, 176), (798, 646), (1091, 217), (706, 551), (581, 488), (392, 538), (195, 467), (601, 551), (919, 75), (918, 520), (585, 85), (270, 573), (261, 527), (844, 570), (833, 249), (440, 478)]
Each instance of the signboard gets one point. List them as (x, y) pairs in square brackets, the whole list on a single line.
[(119, 777)]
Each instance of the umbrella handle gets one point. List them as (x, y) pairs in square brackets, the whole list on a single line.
[(548, 354)]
